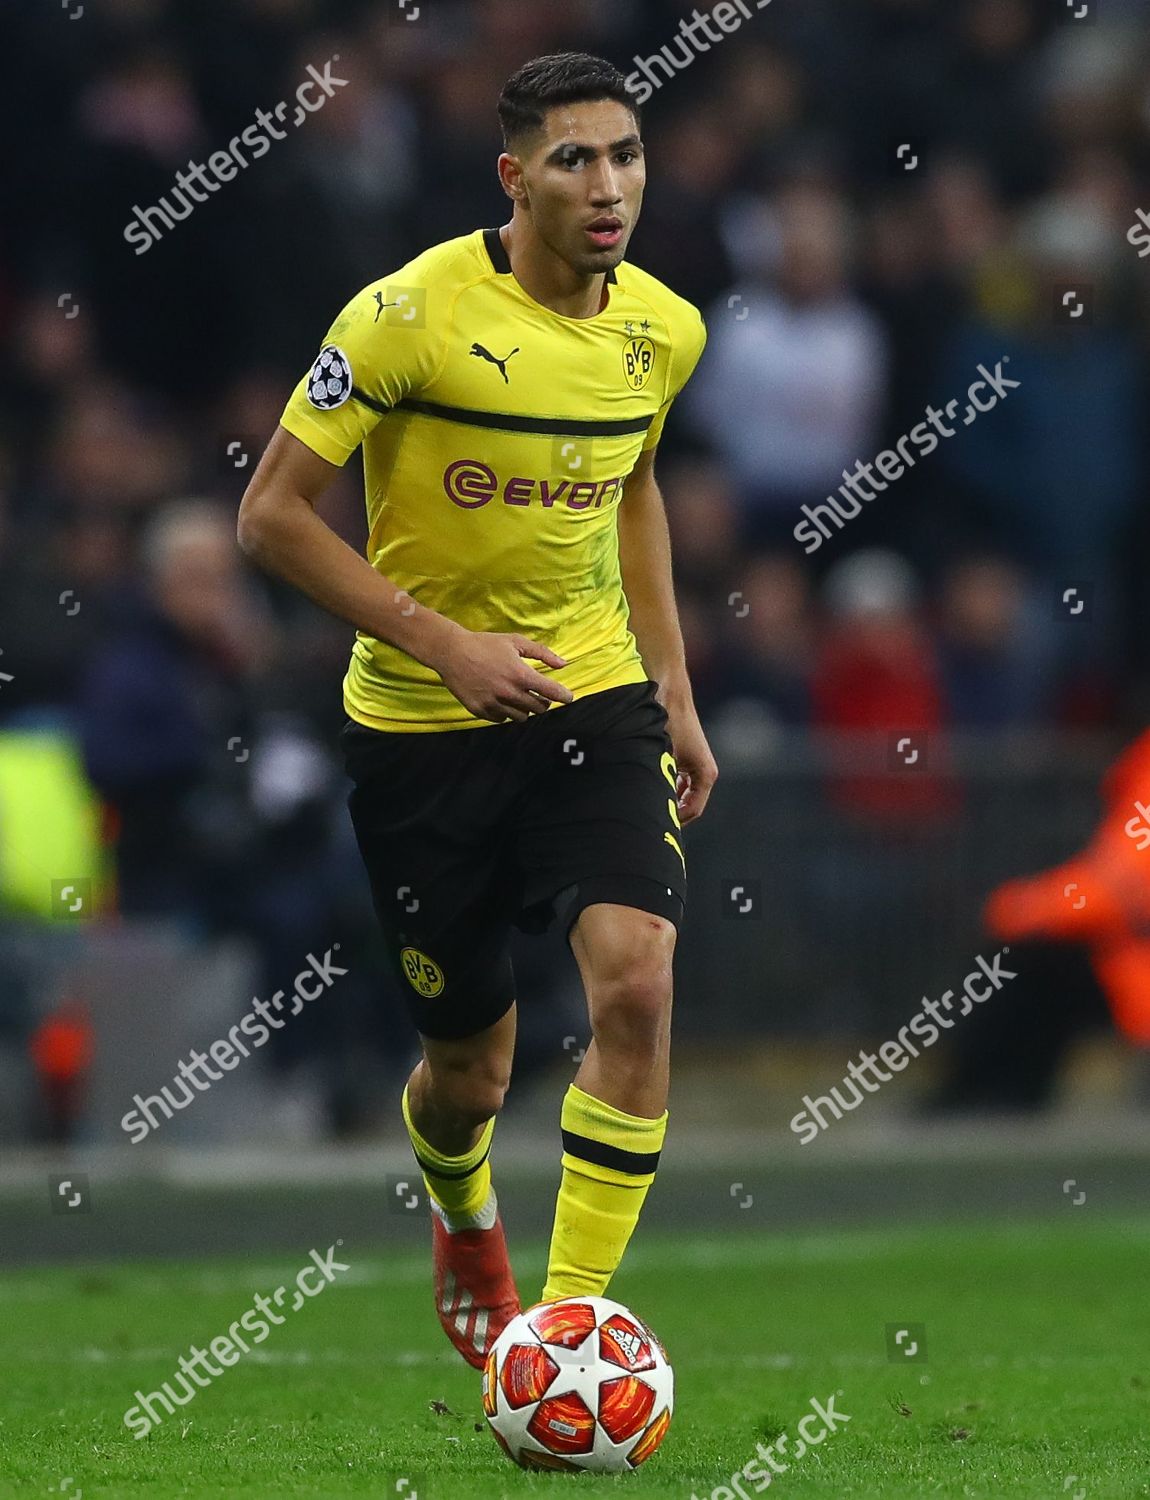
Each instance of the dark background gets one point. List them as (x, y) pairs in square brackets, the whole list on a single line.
[(195, 704)]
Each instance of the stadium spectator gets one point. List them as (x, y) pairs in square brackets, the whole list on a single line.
[(790, 392), (877, 689), (769, 639), (175, 675), (995, 655)]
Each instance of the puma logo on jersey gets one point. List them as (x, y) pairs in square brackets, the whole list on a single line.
[(380, 304), (479, 352)]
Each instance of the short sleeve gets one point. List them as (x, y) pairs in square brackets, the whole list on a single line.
[(377, 352), (683, 361)]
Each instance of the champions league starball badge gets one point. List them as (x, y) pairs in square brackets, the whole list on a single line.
[(329, 384)]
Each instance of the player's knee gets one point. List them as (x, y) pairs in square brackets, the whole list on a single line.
[(631, 1000), (632, 1012), (472, 1091)]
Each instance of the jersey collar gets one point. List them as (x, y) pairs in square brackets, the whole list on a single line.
[(501, 261)]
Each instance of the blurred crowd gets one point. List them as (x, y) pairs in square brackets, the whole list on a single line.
[(869, 201), (847, 285)]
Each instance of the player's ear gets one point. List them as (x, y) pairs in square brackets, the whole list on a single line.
[(511, 176)]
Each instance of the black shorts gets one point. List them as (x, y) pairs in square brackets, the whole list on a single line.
[(468, 832)]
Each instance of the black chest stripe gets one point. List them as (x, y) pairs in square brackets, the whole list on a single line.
[(509, 422)]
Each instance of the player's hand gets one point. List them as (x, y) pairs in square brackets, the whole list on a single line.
[(488, 674), (694, 762)]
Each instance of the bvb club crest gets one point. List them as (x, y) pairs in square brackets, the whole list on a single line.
[(423, 973), (638, 362)]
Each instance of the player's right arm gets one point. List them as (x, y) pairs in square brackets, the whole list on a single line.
[(281, 531)]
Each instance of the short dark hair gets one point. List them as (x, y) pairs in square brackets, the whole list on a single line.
[(559, 78)]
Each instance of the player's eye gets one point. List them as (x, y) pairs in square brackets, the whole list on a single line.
[(627, 157)]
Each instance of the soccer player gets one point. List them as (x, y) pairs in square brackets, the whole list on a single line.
[(522, 740)]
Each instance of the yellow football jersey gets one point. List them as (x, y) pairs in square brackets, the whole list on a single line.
[(497, 436)]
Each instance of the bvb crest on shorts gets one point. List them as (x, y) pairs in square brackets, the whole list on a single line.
[(423, 973), (638, 362)]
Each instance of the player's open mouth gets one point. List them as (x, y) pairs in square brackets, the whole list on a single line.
[(606, 233)]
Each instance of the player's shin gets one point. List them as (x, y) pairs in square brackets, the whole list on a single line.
[(609, 1161), (459, 1186)]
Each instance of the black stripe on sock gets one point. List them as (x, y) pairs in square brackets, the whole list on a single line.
[(602, 1155), (452, 1176)]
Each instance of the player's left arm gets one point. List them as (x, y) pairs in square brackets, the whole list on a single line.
[(645, 561)]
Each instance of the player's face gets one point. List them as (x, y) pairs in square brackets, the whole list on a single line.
[(583, 177)]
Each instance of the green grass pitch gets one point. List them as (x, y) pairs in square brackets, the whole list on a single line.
[(1036, 1380)]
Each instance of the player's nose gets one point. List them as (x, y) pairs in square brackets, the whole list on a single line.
[(606, 192)]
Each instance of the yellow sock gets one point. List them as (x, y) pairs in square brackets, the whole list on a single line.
[(460, 1185), (609, 1161)]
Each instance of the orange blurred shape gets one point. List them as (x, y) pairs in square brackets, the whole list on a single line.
[(1100, 898), (63, 1044)]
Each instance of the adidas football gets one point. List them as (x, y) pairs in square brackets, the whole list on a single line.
[(578, 1384)]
